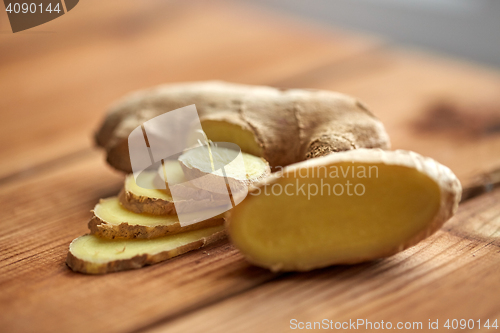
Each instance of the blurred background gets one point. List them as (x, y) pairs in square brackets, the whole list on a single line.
[(469, 29)]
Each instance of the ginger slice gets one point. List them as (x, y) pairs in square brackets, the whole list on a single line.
[(237, 174), (146, 200), (225, 127), (160, 202), (178, 184), (112, 221), (93, 255), (308, 216)]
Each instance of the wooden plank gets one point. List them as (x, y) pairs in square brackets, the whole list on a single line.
[(451, 275), (58, 79), (440, 107)]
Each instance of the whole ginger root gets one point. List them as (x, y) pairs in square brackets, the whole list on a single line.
[(282, 126)]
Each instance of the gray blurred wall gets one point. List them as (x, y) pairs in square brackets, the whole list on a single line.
[(469, 29)]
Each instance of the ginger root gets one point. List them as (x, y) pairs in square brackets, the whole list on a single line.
[(178, 183), (112, 221), (282, 126), (140, 200), (93, 255), (202, 167), (352, 205), (344, 208)]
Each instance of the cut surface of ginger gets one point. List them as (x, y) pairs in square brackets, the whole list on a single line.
[(141, 196), (172, 170), (200, 158), (111, 211), (145, 198), (178, 184), (392, 202), (224, 131), (94, 255), (112, 221)]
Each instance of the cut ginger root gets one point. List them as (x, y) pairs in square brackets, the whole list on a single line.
[(344, 208), (219, 169), (112, 221), (149, 200), (93, 255), (180, 186)]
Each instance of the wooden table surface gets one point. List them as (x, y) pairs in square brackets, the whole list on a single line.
[(56, 82)]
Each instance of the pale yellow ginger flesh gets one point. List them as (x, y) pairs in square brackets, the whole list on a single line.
[(112, 212), (173, 172), (200, 158), (141, 196), (152, 186), (94, 255), (147, 195), (240, 170), (392, 203), (224, 131), (157, 185), (112, 221), (283, 126)]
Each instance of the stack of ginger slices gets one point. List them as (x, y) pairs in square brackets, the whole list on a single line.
[(141, 226)]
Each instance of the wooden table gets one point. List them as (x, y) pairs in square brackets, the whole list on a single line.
[(56, 82)]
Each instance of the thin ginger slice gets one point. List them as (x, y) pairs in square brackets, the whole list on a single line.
[(112, 221), (225, 128), (182, 187), (147, 199), (93, 255), (395, 200), (236, 174)]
